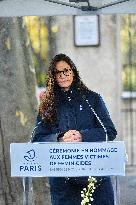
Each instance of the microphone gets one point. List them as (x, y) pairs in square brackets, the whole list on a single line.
[(99, 120), (33, 131)]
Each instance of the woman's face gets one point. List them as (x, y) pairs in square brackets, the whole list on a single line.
[(64, 75)]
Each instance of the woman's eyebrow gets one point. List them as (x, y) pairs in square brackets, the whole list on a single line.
[(63, 68)]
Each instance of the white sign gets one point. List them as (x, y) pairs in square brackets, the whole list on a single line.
[(67, 159), (86, 30)]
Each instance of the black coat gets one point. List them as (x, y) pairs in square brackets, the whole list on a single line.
[(73, 113)]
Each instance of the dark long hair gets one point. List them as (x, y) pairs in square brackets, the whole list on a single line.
[(47, 108)]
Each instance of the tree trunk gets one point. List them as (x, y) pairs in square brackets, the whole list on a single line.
[(18, 108)]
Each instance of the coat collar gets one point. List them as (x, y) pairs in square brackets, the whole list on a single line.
[(69, 95)]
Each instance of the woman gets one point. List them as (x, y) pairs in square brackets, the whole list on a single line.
[(67, 117)]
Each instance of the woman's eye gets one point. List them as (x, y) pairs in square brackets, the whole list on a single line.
[(66, 70), (57, 72)]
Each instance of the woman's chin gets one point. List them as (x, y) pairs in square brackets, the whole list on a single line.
[(64, 86)]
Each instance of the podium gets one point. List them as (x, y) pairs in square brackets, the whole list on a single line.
[(66, 160)]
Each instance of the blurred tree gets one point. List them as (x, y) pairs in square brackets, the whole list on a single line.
[(18, 108), (38, 40), (42, 41), (128, 48)]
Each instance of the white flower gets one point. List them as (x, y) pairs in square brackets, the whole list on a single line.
[(86, 194)]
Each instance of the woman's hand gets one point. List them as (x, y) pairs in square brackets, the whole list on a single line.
[(72, 136)]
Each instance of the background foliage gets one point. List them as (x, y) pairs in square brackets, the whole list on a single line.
[(41, 37), (128, 49)]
